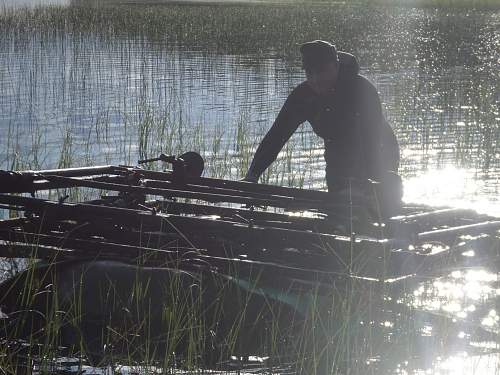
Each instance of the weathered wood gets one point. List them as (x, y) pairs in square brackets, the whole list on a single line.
[(259, 235), (282, 202), (88, 247), (169, 176), (329, 201), (31, 251), (364, 256), (438, 214), (446, 233), (32, 181), (235, 185), (190, 224), (72, 172), (317, 222)]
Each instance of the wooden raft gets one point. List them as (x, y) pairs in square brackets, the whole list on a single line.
[(171, 219)]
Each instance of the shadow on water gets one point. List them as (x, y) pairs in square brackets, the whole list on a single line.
[(83, 86)]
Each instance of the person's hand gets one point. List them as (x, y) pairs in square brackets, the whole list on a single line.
[(250, 178)]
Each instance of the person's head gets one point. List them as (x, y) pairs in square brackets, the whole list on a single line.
[(320, 62)]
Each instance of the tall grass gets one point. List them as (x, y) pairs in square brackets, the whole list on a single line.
[(338, 332)]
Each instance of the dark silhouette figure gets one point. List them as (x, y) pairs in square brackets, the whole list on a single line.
[(344, 109)]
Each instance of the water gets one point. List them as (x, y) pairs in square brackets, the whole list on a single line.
[(94, 89), (31, 3), (135, 82)]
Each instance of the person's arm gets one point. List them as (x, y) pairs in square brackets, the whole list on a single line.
[(288, 120)]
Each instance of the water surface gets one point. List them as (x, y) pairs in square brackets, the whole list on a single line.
[(112, 91)]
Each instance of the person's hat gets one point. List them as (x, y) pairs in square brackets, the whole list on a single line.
[(317, 53)]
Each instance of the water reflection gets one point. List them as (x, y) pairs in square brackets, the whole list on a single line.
[(462, 309), (465, 364), (458, 294), (454, 187)]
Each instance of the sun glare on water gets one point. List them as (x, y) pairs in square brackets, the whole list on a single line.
[(467, 297), (450, 186)]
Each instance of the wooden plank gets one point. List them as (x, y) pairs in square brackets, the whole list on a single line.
[(440, 213), (235, 185), (189, 224), (246, 187), (282, 202), (72, 172), (447, 233), (30, 251)]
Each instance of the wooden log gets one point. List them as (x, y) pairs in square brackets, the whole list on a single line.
[(235, 185), (366, 255), (329, 200), (193, 188), (169, 176), (30, 251), (173, 253), (444, 212), (72, 172), (10, 223), (90, 247), (363, 256), (317, 222), (447, 233), (298, 193), (282, 202), (190, 224), (31, 181)]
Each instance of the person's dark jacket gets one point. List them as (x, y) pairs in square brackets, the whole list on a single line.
[(359, 143)]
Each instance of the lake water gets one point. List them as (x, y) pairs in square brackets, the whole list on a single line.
[(112, 85), (31, 3), (437, 74)]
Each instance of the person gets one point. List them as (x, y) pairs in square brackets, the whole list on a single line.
[(344, 109)]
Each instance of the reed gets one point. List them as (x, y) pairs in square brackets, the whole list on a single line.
[(325, 340)]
